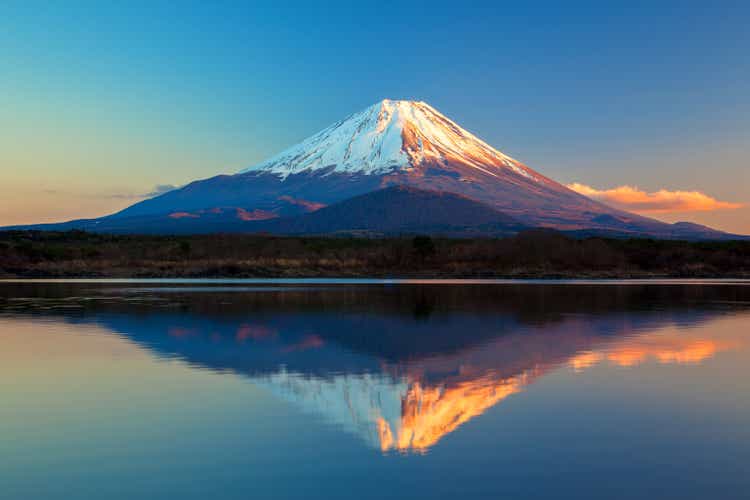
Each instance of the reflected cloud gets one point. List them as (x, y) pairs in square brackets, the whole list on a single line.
[(308, 342), (664, 349), (585, 360), (179, 333), (254, 332)]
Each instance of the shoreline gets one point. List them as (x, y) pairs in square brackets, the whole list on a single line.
[(331, 280)]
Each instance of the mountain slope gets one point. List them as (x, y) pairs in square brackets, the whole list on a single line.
[(399, 209), (389, 211)]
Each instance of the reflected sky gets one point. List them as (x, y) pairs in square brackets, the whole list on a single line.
[(325, 384)]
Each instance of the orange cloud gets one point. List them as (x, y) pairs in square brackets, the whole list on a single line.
[(637, 200)]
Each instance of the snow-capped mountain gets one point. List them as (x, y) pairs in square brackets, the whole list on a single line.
[(405, 144)]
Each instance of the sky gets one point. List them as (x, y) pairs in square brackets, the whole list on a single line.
[(645, 105)]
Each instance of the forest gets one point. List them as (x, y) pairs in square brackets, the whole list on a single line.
[(530, 254)]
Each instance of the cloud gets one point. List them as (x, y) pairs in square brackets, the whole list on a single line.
[(160, 189), (156, 191), (637, 200)]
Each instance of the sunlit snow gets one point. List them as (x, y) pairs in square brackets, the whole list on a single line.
[(390, 136)]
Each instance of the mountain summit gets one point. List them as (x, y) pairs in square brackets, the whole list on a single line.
[(407, 145), (386, 137)]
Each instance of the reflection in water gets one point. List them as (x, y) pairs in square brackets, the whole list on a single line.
[(408, 412), (401, 368), (661, 348), (429, 413)]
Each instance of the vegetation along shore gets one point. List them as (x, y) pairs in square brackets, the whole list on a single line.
[(531, 254)]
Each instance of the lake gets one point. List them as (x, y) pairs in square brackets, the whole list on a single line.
[(374, 389)]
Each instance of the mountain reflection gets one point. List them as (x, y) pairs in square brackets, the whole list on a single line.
[(402, 367)]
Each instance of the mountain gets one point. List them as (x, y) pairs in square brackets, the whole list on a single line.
[(391, 143)]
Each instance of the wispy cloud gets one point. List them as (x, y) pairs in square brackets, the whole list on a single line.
[(156, 191), (637, 200), (160, 189)]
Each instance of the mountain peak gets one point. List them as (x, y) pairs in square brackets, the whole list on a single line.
[(399, 103), (405, 102), (391, 135)]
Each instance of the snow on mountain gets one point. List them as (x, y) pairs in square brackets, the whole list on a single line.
[(390, 136), (394, 414)]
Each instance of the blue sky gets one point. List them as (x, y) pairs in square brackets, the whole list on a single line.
[(101, 102)]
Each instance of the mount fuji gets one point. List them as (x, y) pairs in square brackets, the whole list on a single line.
[(394, 167)]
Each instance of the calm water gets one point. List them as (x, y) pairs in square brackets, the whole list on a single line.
[(336, 390)]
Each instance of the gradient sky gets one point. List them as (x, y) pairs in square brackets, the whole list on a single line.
[(100, 103)]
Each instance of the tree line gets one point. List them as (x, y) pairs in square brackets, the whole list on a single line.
[(535, 253)]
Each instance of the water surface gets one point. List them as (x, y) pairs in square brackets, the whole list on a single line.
[(376, 389)]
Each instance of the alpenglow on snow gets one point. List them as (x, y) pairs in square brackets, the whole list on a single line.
[(390, 135)]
